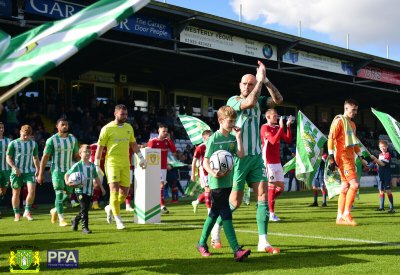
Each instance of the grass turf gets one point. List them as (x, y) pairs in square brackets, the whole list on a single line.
[(310, 241)]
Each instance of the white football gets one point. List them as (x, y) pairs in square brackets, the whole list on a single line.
[(221, 161), (77, 178)]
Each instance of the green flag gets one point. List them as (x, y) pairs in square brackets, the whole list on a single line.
[(332, 178), (174, 162), (309, 143), (391, 126), (194, 128), (43, 48), (194, 188)]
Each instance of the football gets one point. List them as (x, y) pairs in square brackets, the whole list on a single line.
[(221, 161), (77, 178)]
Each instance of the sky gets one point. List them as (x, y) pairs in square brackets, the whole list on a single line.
[(371, 25)]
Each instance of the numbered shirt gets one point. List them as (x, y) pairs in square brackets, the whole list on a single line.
[(89, 171), (62, 151), (4, 142), (249, 121), (22, 152), (220, 142)]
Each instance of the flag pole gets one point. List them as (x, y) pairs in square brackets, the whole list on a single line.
[(4, 97)]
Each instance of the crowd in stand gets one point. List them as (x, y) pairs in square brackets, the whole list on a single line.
[(88, 115)]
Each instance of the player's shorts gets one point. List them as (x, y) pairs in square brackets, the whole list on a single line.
[(118, 174), (275, 172), (248, 169), (204, 181), (347, 172), (5, 178), (220, 198), (163, 175), (385, 184), (319, 182), (57, 178), (19, 182)]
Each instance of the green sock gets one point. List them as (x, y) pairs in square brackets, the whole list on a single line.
[(262, 216), (28, 208), (230, 234), (208, 225), (16, 211), (59, 201), (65, 198)]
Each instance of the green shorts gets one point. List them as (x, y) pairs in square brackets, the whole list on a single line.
[(57, 178), (248, 169), (25, 178), (5, 178)]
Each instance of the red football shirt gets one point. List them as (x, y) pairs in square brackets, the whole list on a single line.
[(199, 154), (164, 145), (271, 144)]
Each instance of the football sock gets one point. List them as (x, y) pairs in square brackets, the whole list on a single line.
[(278, 192), (390, 197), (16, 210), (262, 217), (351, 195), (208, 226), (271, 198), (121, 198), (162, 202), (382, 200), (96, 194), (230, 234), (174, 193), (114, 203), (207, 198), (324, 196), (59, 201), (28, 208), (201, 197), (315, 196), (128, 199), (341, 204), (65, 198)]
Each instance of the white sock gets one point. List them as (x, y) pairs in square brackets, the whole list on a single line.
[(118, 219), (208, 210), (197, 201), (215, 232), (345, 213), (262, 239), (339, 216), (60, 217)]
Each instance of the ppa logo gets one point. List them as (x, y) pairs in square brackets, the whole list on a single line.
[(62, 258)]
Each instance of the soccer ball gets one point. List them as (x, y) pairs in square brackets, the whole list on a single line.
[(221, 161), (77, 178)]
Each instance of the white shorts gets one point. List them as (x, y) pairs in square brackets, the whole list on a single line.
[(163, 175), (275, 172), (204, 181), (203, 178)]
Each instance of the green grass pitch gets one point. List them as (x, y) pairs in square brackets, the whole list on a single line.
[(310, 241)]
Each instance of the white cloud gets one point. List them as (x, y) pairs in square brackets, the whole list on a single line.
[(369, 22)]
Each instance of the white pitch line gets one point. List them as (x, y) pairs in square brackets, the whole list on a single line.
[(301, 236)]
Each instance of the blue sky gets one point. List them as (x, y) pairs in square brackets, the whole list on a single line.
[(371, 24)]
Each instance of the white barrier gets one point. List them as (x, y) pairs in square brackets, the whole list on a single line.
[(147, 188)]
